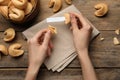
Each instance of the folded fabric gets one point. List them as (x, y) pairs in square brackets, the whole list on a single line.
[(64, 63), (67, 63), (59, 65), (64, 51)]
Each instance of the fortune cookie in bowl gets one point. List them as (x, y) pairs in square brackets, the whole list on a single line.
[(16, 14), (32, 2), (28, 8), (20, 4), (4, 11), (4, 2), (19, 11)]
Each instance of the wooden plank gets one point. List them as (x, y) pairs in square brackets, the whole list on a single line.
[(8, 61), (67, 74), (99, 59), (102, 53), (19, 38), (109, 22)]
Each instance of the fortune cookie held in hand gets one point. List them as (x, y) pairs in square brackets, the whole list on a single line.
[(52, 29), (20, 4), (67, 18)]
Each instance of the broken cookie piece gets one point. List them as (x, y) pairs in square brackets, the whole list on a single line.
[(116, 41), (117, 31), (102, 39), (52, 29)]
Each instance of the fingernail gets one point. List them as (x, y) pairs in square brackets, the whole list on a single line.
[(49, 31), (71, 15)]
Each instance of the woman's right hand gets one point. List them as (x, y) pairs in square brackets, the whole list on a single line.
[(81, 31)]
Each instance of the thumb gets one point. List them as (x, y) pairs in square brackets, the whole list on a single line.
[(47, 38), (73, 21)]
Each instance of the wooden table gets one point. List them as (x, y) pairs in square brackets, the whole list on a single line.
[(104, 54)]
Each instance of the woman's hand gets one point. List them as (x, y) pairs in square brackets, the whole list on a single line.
[(81, 31), (39, 48)]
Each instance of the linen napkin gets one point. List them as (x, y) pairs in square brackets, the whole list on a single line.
[(64, 51)]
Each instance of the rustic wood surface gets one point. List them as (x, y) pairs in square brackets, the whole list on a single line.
[(104, 54)]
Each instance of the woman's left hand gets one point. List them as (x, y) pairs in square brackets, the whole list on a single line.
[(39, 47)]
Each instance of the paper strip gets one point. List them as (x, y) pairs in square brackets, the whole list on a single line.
[(55, 19)]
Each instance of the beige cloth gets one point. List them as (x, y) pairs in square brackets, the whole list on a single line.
[(64, 51), (64, 63)]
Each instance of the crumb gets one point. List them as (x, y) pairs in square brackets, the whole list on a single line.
[(102, 39), (117, 31), (116, 41)]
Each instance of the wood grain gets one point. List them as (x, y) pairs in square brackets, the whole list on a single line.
[(104, 54), (67, 74)]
